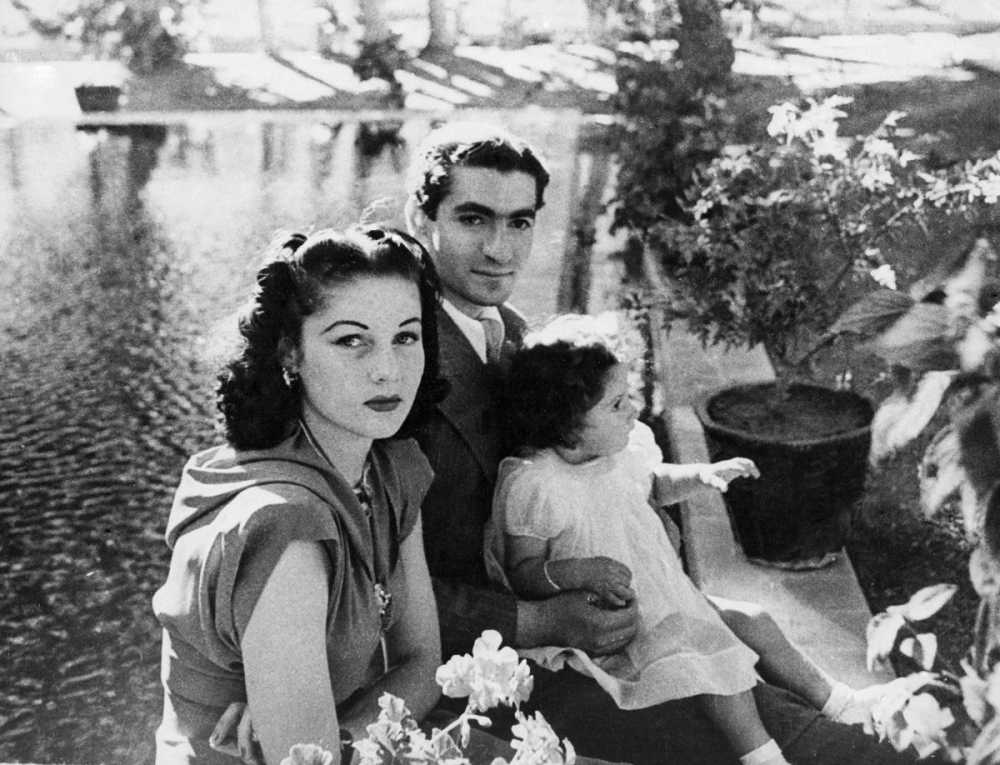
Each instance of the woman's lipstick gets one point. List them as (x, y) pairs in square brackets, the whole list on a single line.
[(384, 403)]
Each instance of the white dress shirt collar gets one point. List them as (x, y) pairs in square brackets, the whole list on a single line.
[(470, 327)]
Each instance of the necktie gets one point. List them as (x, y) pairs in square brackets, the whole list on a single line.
[(494, 338)]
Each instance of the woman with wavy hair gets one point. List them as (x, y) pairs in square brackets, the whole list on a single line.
[(297, 581)]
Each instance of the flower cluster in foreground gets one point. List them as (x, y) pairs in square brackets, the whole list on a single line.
[(954, 713), (490, 676)]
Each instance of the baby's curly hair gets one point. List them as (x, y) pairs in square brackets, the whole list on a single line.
[(258, 403), (556, 378)]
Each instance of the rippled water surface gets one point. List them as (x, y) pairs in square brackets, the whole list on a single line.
[(122, 253)]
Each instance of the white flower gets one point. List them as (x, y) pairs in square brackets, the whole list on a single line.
[(877, 177), (993, 317), (369, 751), (927, 721), (537, 744), (783, 116), (308, 754), (879, 147), (885, 276), (983, 573), (455, 677), (974, 693), (492, 675), (989, 188), (829, 146)]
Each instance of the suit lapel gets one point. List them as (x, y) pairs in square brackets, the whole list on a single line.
[(466, 406)]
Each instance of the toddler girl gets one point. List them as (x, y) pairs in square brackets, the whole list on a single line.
[(573, 511)]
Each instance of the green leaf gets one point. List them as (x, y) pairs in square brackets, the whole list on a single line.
[(920, 339), (874, 313), (941, 474), (921, 648), (901, 417), (925, 603), (963, 288), (986, 750), (978, 427), (881, 634)]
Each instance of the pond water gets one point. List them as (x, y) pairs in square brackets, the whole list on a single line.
[(123, 251)]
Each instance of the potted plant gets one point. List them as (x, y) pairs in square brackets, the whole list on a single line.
[(781, 238)]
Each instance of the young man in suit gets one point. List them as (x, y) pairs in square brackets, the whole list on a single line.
[(474, 192)]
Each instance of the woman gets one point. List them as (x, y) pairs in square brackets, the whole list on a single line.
[(297, 581)]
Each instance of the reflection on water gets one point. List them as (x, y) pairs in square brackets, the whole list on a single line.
[(121, 250)]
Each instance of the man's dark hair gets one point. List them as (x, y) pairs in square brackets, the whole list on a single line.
[(470, 144)]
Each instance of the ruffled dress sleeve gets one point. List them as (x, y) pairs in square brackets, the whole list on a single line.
[(526, 504), (642, 454), (521, 507)]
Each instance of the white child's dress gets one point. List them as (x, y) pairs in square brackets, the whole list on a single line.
[(601, 507)]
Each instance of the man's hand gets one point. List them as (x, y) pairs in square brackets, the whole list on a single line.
[(233, 735), (575, 619), (605, 577)]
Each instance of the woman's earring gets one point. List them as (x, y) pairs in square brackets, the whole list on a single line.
[(290, 376)]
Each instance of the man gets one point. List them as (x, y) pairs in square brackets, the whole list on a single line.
[(474, 196), (474, 192)]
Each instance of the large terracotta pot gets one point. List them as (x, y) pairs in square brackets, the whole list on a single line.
[(799, 512)]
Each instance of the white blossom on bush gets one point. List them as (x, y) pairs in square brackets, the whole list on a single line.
[(946, 712)]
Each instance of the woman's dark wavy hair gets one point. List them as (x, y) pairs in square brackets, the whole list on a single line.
[(553, 381), (257, 408)]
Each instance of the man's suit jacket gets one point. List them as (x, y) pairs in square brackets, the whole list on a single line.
[(462, 443)]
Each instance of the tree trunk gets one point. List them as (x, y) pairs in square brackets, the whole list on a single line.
[(442, 33), (703, 46), (266, 26), (597, 22), (376, 26)]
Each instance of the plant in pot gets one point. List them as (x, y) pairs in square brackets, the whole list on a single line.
[(781, 238)]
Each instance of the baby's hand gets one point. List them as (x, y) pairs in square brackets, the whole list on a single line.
[(606, 578), (719, 474)]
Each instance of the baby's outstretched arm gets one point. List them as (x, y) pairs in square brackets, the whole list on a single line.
[(532, 575), (673, 483)]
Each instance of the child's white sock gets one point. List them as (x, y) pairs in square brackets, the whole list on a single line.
[(851, 706), (841, 696), (766, 754)]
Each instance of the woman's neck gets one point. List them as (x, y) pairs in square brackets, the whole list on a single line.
[(345, 452)]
